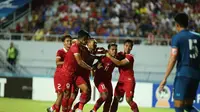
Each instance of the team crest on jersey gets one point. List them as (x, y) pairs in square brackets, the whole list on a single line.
[(67, 85)]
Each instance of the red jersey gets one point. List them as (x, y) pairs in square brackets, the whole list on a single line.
[(58, 79), (61, 55), (105, 73), (87, 58), (70, 64), (126, 71)]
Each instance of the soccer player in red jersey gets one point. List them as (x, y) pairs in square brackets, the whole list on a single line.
[(58, 79), (71, 65), (82, 76), (102, 79), (126, 82)]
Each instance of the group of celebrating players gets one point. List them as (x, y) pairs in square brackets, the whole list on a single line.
[(75, 65)]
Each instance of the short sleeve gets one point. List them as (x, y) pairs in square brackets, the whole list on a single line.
[(75, 49), (129, 57), (58, 54), (175, 43)]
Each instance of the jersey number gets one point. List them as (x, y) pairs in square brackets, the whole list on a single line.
[(193, 48), (59, 86), (103, 86)]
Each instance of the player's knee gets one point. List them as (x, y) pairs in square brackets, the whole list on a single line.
[(73, 95), (104, 96), (117, 98), (66, 94), (85, 89), (128, 100), (178, 103), (59, 95)]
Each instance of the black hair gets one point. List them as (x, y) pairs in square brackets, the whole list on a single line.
[(83, 34), (66, 36), (182, 19), (128, 41), (112, 44)]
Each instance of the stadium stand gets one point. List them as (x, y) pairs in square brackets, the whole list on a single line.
[(108, 18)]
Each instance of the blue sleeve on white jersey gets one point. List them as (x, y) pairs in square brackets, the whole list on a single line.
[(175, 42)]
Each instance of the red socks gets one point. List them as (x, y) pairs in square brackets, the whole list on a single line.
[(83, 99), (98, 103), (56, 108), (64, 104), (134, 106), (76, 106), (70, 102)]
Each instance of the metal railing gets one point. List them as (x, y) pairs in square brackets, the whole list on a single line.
[(15, 16), (100, 39)]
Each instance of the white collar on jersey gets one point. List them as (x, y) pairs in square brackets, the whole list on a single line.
[(65, 49)]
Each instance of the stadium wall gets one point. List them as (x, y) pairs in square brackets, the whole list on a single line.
[(43, 90), (14, 87), (146, 94), (31, 53)]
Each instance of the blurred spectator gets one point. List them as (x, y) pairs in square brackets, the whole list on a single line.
[(39, 35), (49, 12), (18, 28), (187, 8), (115, 21), (111, 38), (124, 18), (12, 54), (151, 38), (2, 20)]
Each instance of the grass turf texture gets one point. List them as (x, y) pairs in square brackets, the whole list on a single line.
[(23, 105)]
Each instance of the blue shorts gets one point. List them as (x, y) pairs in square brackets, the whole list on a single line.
[(185, 88)]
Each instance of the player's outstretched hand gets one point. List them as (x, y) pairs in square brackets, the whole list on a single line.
[(162, 84)]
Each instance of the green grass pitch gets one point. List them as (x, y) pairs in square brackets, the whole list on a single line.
[(22, 105)]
